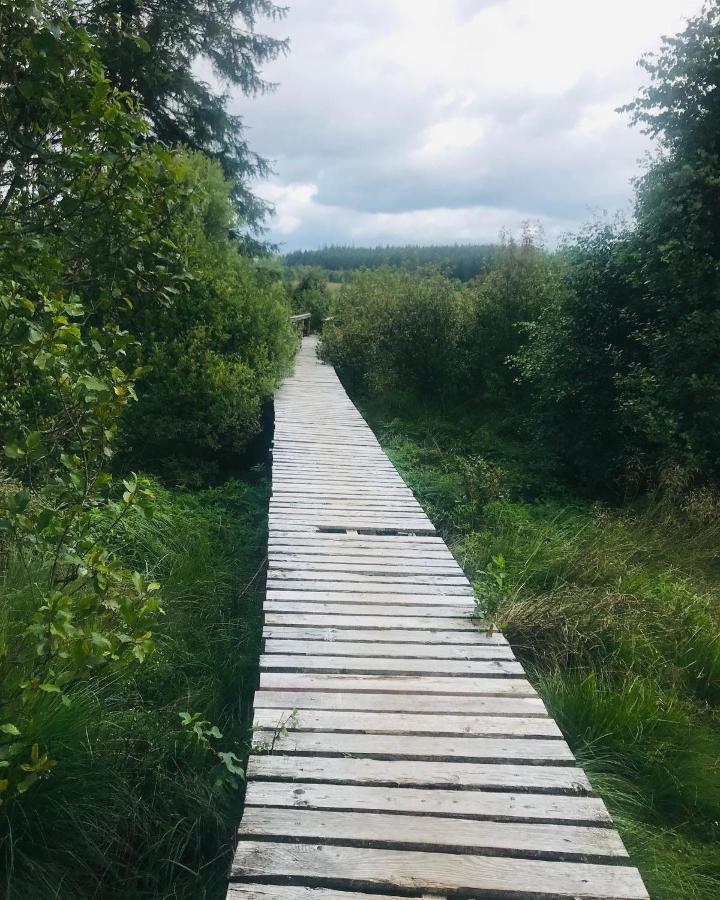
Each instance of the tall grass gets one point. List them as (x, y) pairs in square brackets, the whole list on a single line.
[(136, 806), (615, 611)]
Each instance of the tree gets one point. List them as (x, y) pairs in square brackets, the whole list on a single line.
[(625, 367), (152, 50)]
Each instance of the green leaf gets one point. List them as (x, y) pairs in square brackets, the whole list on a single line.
[(232, 763), (33, 445), (11, 729), (18, 503), (142, 43)]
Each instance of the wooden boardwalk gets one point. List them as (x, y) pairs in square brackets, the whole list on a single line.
[(401, 752)]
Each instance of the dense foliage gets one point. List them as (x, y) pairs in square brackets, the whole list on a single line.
[(426, 334), (630, 354), (128, 319), (138, 780), (213, 354), (462, 261), (397, 331), (152, 51)]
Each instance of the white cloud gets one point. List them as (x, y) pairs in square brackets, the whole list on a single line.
[(405, 120)]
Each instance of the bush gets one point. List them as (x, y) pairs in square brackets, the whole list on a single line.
[(396, 331), (117, 266), (624, 367), (215, 354), (521, 280)]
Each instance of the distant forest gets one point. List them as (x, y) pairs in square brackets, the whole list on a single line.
[(463, 261)]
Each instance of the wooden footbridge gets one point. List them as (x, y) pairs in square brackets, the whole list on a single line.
[(400, 750)]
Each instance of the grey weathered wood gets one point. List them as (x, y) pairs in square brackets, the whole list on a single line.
[(371, 622), (390, 665), (390, 635), (433, 833), (398, 748), (401, 651), (404, 869), (296, 892), (370, 599), (441, 747), (356, 609), (440, 704), (399, 584), (405, 723), (493, 806), (366, 584), (420, 774), (402, 684)]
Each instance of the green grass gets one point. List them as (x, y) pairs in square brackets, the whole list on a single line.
[(614, 610), (135, 807)]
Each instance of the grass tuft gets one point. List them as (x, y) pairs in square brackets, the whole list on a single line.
[(136, 806)]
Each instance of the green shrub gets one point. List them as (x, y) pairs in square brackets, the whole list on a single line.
[(215, 354), (624, 366), (397, 331)]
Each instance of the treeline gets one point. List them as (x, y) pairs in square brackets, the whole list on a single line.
[(461, 261), (134, 336), (610, 348)]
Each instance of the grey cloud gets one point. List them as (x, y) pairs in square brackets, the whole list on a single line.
[(352, 125)]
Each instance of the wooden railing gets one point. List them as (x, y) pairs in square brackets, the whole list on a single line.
[(301, 322)]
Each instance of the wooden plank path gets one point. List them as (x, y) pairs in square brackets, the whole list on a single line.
[(399, 750)]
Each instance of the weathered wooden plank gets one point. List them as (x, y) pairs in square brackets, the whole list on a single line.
[(437, 872), (399, 651), (406, 684), (454, 584), (381, 746), (440, 704), (433, 833), (370, 600), (392, 635), (495, 806), (375, 541), (349, 521), (367, 584), (406, 608), (426, 724), (370, 565), (419, 774), (328, 570), (404, 504), (390, 665), (358, 548), (413, 623), (296, 892)]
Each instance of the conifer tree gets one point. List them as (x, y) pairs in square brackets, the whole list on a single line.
[(156, 50)]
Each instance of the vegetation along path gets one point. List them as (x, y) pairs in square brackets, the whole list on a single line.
[(399, 748)]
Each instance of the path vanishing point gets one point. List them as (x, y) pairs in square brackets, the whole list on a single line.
[(399, 750)]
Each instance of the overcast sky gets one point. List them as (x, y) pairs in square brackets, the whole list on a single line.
[(418, 121)]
